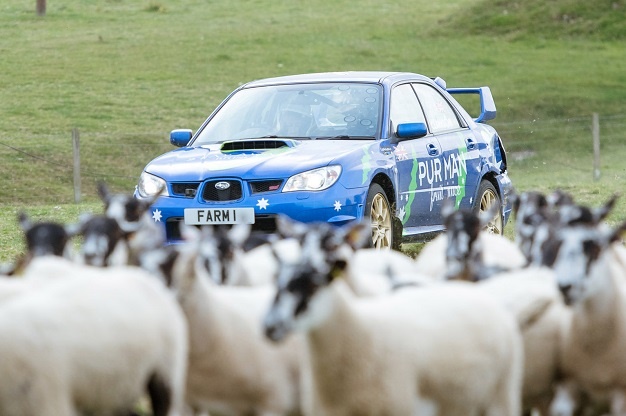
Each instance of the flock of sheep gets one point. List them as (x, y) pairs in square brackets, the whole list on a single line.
[(313, 322)]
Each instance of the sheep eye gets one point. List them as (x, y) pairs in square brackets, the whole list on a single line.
[(591, 250)]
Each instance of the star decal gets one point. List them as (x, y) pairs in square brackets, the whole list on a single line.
[(262, 203), (156, 215), (337, 206)]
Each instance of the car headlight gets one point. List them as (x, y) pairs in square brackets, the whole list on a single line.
[(313, 180), (151, 186)]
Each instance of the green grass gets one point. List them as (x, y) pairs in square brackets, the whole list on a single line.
[(125, 73), (562, 19)]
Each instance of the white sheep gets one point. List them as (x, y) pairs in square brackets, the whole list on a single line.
[(222, 250), (141, 231), (590, 273), (447, 347), (104, 243), (498, 252), (43, 238), (233, 369), (532, 296), (466, 250), (368, 271), (91, 341), (12, 286)]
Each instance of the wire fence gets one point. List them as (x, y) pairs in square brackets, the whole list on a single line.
[(39, 169), (49, 166)]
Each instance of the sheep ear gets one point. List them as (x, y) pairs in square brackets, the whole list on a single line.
[(239, 233), (206, 231), (24, 221), (616, 235), (486, 216), (288, 228), (514, 199), (448, 208), (359, 235), (602, 212), (189, 232), (103, 192), (77, 228), (535, 199), (559, 198), (146, 203)]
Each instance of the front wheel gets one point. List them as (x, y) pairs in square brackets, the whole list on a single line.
[(378, 210), (488, 196)]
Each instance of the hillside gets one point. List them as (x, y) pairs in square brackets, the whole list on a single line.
[(555, 19)]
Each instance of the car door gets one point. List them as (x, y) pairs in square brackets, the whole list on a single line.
[(458, 176), (418, 160)]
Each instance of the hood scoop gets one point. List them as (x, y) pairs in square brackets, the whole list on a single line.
[(256, 144)]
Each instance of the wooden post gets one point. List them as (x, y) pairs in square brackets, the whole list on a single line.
[(76, 148), (41, 7), (596, 146)]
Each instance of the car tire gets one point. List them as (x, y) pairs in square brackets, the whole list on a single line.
[(486, 197), (378, 211)]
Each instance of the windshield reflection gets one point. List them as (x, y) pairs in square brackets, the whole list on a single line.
[(325, 110)]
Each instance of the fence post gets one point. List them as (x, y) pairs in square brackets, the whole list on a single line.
[(76, 148), (596, 146), (41, 7)]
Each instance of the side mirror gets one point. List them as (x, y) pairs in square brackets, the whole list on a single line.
[(180, 137), (411, 130)]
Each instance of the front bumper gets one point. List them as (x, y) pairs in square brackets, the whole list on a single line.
[(336, 205)]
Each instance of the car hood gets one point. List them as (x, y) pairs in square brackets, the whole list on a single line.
[(200, 163)]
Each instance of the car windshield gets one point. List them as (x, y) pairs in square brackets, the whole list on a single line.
[(315, 111)]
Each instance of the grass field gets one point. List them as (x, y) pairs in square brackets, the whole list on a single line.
[(124, 73)]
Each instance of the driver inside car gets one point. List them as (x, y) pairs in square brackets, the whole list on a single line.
[(295, 122)]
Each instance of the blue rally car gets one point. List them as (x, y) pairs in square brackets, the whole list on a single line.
[(335, 147)]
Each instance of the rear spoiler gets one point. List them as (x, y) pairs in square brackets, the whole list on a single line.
[(487, 105)]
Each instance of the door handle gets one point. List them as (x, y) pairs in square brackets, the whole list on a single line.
[(471, 144), (432, 149)]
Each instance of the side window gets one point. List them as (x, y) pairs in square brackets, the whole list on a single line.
[(404, 106), (439, 113)]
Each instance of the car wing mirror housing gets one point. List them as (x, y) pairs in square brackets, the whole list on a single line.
[(180, 137), (411, 130)]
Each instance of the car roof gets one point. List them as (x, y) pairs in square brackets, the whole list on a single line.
[(380, 77)]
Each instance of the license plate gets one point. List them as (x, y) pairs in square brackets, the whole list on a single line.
[(200, 216)]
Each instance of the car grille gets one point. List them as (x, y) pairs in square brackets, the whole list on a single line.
[(232, 193), (265, 186), (185, 189)]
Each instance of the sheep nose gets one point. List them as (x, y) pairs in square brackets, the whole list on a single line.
[(89, 258), (275, 333), (271, 332)]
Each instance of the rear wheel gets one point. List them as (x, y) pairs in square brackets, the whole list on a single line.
[(487, 196), (378, 210)]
